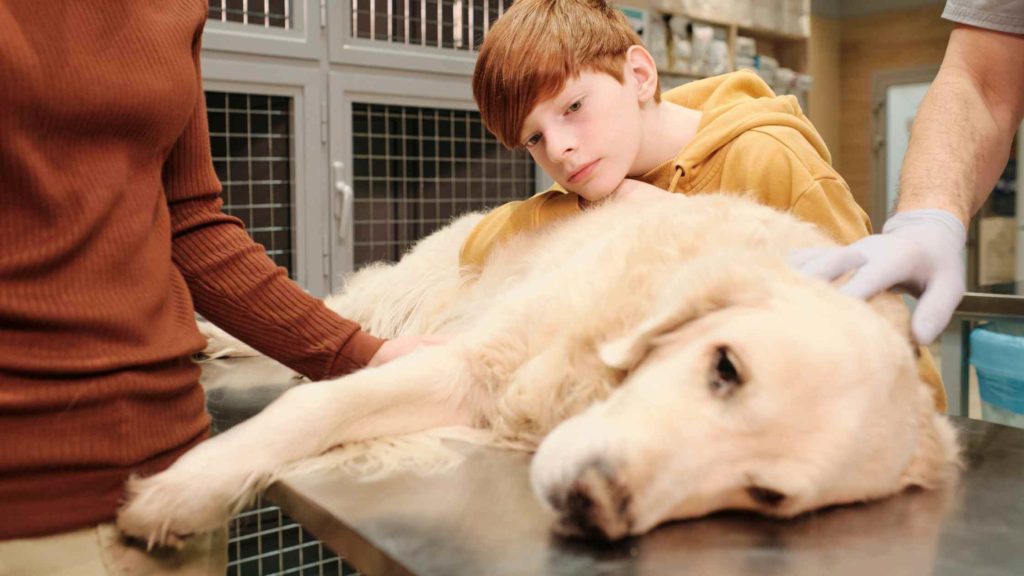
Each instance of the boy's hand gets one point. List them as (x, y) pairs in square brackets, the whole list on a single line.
[(403, 345), (636, 190), (919, 251)]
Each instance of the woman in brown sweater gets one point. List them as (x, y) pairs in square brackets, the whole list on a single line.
[(111, 235)]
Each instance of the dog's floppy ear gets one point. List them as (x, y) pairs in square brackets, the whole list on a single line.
[(937, 458), (699, 287)]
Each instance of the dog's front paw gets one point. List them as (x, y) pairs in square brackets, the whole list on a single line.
[(170, 507)]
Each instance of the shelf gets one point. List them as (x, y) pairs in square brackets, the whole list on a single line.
[(681, 75), (788, 49), (767, 34), (743, 29)]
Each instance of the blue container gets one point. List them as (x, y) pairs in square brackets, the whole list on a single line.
[(997, 354)]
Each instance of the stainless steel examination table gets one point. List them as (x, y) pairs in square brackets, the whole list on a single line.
[(482, 519)]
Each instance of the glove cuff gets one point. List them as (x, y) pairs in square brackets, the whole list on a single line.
[(933, 216)]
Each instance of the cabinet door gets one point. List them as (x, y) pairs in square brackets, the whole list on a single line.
[(409, 153)]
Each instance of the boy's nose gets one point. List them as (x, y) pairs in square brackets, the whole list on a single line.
[(559, 147)]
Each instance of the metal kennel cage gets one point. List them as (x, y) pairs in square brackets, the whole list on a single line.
[(307, 99)]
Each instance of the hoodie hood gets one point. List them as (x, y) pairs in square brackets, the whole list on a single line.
[(732, 104)]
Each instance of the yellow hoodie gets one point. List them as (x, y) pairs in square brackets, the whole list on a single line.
[(749, 141)]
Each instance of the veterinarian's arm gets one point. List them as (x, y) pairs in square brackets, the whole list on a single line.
[(958, 148), (961, 137), (233, 282)]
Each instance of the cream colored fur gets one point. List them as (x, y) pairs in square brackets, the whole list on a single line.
[(608, 341)]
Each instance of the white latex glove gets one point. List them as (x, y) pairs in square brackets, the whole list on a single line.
[(918, 251)]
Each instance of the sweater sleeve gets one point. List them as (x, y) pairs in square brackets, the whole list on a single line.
[(232, 281)]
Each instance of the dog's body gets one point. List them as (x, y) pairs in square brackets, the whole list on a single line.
[(660, 353)]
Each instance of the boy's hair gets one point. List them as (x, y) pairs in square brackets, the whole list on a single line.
[(538, 45)]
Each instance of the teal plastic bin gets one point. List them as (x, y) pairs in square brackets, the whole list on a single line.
[(997, 354)]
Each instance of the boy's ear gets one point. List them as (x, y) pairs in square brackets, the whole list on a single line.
[(640, 65), (937, 460)]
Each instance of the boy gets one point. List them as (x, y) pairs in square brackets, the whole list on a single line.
[(570, 81)]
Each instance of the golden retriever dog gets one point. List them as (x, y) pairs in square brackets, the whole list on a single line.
[(660, 357)]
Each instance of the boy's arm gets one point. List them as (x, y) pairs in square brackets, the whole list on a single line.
[(784, 171), (513, 218), (232, 281), (829, 204)]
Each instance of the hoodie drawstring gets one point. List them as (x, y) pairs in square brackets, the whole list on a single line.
[(675, 178)]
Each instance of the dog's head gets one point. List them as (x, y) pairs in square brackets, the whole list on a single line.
[(747, 387)]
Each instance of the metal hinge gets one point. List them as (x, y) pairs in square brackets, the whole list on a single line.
[(326, 247), (323, 121), (323, 13), (877, 143)]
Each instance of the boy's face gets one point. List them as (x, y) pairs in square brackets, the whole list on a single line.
[(587, 137)]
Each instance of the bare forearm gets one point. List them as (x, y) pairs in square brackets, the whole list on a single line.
[(962, 134), (956, 151)]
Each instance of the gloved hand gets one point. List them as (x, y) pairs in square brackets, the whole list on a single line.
[(918, 251)]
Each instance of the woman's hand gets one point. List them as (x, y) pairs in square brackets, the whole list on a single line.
[(403, 345)]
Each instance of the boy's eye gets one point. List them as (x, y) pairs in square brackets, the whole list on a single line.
[(532, 140), (575, 105)]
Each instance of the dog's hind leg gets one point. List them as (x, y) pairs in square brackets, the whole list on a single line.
[(426, 389)]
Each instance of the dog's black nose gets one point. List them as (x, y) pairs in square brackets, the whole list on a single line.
[(596, 504)]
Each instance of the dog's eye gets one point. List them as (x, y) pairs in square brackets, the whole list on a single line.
[(765, 496), (724, 378)]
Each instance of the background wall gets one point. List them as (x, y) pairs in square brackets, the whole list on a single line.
[(851, 41), (891, 40), (824, 65)]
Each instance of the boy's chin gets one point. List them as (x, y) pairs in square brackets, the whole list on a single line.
[(594, 193)]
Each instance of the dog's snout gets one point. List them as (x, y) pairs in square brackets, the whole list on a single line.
[(596, 504)]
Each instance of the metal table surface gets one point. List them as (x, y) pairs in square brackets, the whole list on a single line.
[(483, 519), (994, 300)]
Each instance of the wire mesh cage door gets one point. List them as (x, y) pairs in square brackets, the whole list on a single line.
[(264, 13), (414, 169), (453, 24), (263, 541), (411, 162), (250, 141)]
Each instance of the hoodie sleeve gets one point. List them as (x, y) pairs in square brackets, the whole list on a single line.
[(513, 218), (779, 168), (829, 204)]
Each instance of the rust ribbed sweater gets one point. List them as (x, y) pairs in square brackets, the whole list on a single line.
[(110, 230)]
